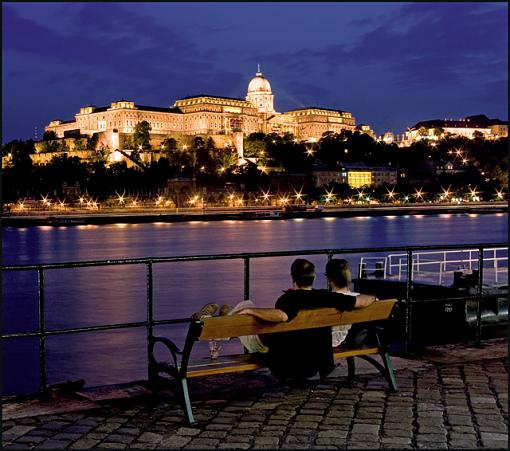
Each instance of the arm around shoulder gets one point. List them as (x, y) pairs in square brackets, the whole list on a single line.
[(272, 315), (364, 300)]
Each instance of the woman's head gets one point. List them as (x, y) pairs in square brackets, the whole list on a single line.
[(338, 273)]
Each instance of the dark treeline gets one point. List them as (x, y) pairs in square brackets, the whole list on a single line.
[(473, 163)]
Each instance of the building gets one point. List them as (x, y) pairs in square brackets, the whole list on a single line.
[(227, 120), (359, 175), (469, 127), (364, 128)]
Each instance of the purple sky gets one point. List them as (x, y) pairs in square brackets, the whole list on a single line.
[(390, 64)]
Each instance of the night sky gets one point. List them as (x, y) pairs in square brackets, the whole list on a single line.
[(389, 64)]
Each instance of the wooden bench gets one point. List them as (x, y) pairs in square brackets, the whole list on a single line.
[(218, 327)]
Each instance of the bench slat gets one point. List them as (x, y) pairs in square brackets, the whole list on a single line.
[(239, 325), (250, 362), (225, 364)]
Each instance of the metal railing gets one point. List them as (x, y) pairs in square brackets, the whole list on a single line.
[(439, 263), (150, 322)]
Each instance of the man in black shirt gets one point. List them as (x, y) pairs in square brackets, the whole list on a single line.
[(303, 353)]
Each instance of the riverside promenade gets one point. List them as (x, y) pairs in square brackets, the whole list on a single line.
[(450, 396)]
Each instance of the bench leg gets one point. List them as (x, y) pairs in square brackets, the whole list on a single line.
[(386, 370), (351, 369), (389, 372), (187, 402)]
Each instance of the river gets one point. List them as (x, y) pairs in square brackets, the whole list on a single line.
[(107, 295)]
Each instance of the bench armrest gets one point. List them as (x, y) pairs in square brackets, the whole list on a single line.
[(171, 346)]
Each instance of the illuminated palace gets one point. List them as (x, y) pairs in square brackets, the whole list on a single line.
[(226, 120)]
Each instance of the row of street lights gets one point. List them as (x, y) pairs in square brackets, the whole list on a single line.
[(266, 198)]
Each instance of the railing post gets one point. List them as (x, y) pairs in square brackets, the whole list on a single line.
[(246, 278), (408, 321), (42, 333), (150, 316), (330, 257), (479, 299)]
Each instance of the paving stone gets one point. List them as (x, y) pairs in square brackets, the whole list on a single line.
[(67, 436), (396, 440), (233, 445), (364, 429), (187, 431), (107, 427), (462, 444), (463, 429), (363, 445), (77, 429), (496, 444), (150, 437), (31, 439), (493, 436), (204, 443), (119, 438), (176, 441), (128, 431), (53, 444), (462, 435), (84, 444), (431, 429), (297, 439), (213, 434), (306, 424), (432, 438), (329, 443), (333, 434), (265, 441), (17, 431), (112, 445), (238, 438)]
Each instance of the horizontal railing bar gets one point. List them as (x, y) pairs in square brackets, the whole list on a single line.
[(472, 297), (135, 261), (187, 320), (95, 328)]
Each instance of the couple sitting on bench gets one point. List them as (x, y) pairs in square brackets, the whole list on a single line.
[(301, 354)]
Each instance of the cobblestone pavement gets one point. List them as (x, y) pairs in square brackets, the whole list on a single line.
[(439, 405)]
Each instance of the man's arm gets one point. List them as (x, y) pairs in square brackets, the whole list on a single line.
[(364, 300), (272, 315)]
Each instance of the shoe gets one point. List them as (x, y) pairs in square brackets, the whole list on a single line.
[(224, 310), (206, 310)]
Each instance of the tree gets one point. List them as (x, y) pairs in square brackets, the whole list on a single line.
[(226, 158), (254, 146), (92, 141), (125, 142), (438, 131), (477, 134), (422, 131), (79, 144), (141, 135)]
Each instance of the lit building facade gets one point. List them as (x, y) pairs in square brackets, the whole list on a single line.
[(358, 176), (218, 117), (468, 127)]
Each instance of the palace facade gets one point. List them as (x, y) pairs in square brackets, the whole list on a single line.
[(227, 120)]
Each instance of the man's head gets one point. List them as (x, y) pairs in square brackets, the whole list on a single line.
[(338, 273), (303, 273)]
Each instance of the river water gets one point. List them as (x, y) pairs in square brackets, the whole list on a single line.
[(107, 295)]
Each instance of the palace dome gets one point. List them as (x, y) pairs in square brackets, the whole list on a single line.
[(259, 84)]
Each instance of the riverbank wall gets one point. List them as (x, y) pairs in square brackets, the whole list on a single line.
[(150, 216)]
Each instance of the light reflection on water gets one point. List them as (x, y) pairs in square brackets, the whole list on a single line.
[(108, 295)]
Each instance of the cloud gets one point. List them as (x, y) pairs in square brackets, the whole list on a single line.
[(421, 44)]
